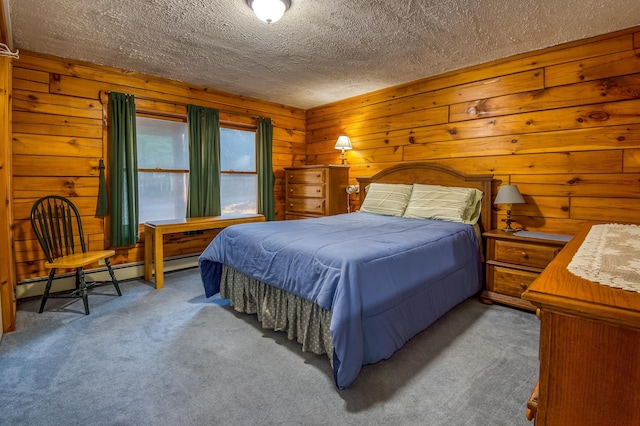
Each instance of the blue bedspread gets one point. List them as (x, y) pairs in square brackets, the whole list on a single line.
[(383, 278)]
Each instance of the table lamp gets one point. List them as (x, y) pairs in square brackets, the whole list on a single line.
[(508, 194), (343, 143)]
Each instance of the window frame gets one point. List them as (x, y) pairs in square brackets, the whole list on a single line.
[(178, 118), (227, 124), (246, 128)]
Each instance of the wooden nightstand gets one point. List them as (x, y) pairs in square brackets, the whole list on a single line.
[(514, 261)]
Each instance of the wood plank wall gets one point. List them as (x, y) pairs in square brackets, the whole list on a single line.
[(563, 124), (7, 278), (59, 130)]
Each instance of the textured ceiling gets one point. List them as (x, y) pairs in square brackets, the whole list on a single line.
[(319, 52)]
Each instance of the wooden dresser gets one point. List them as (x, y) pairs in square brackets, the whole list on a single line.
[(314, 191), (589, 348), (514, 262)]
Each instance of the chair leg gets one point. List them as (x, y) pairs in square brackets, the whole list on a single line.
[(114, 280), (78, 279), (83, 289), (47, 288)]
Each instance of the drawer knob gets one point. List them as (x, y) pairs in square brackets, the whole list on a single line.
[(291, 205), (318, 190), (523, 286), (525, 255), (318, 175)]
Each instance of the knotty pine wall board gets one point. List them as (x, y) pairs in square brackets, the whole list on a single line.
[(562, 123), (576, 51), (600, 67), (591, 92), (33, 187), (593, 185), (554, 119), (59, 133), (631, 161)]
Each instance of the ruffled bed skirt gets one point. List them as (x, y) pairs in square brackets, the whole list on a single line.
[(302, 320)]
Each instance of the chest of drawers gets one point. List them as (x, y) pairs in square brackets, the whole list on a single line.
[(589, 348), (314, 191)]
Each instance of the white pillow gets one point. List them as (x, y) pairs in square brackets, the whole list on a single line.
[(444, 203), (386, 198)]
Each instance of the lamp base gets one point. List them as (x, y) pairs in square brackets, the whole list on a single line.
[(508, 221)]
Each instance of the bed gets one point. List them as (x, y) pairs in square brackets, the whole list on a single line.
[(358, 286)]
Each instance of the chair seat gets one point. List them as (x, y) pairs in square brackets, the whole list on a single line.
[(78, 260)]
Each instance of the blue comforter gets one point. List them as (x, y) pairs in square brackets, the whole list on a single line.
[(383, 278)]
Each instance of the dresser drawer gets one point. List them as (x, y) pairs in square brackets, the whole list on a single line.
[(298, 216), (538, 256), (302, 190), (306, 176), (306, 205), (512, 282)]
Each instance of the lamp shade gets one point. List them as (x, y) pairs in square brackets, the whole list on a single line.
[(269, 11), (343, 142), (509, 194)]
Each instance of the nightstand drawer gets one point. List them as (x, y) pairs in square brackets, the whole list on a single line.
[(538, 256), (302, 190), (306, 176), (512, 282), (306, 205)]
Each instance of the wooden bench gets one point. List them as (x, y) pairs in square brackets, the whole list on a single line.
[(154, 231)]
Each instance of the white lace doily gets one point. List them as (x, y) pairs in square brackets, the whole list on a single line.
[(610, 255)]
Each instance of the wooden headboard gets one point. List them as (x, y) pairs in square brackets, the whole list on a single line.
[(434, 174)]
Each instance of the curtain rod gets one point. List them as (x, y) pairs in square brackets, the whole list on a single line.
[(147, 98)]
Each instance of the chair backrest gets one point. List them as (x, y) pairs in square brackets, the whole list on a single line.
[(58, 227)]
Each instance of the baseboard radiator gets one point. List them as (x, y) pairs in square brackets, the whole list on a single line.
[(35, 287)]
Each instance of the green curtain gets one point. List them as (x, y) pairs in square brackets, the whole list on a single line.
[(266, 178), (203, 198), (123, 168), (102, 207)]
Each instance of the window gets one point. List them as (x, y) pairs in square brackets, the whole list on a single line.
[(163, 168), (239, 175)]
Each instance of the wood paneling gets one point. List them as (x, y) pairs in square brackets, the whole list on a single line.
[(7, 267), (561, 123), (58, 140)]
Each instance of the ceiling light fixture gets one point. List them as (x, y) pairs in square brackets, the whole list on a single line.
[(269, 11)]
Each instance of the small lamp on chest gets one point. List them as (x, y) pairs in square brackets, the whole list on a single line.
[(343, 143)]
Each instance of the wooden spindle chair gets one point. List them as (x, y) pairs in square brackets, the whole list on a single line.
[(58, 227)]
